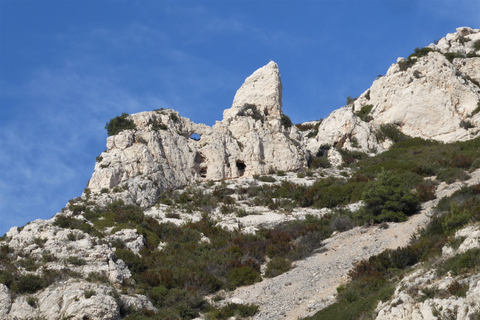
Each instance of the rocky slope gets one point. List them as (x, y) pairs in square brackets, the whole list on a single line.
[(69, 266)]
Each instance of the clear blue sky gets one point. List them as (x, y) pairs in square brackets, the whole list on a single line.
[(67, 67)]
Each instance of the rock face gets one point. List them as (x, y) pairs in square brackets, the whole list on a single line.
[(434, 94), (408, 303), (160, 153), (430, 95), (75, 261)]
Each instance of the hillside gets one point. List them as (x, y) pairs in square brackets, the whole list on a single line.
[(370, 213)]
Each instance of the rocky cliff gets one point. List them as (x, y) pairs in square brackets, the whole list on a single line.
[(177, 215), (434, 94), (160, 153)]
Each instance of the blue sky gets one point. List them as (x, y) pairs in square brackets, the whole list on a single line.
[(67, 67)]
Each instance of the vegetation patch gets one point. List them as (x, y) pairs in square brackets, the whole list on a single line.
[(364, 113), (118, 124), (251, 110), (372, 280)]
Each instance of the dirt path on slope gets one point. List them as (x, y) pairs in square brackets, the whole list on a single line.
[(311, 285)]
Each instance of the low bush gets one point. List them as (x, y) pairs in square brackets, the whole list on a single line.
[(118, 124), (97, 277), (466, 262), (364, 113), (458, 289), (277, 266), (389, 199), (89, 293), (451, 175), (319, 162), (251, 110), (76, 261), (286, 122), (30, 283), (243, 276), (266, 179), (231, 310)]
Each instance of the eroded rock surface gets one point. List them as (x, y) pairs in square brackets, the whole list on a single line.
[(160, 153), (431, 96)]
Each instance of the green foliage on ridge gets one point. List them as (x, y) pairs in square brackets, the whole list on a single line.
[(118, 124)]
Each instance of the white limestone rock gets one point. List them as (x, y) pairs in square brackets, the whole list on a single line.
[(432, 99), (471, 240), (160, 154), (263, 89), (5, 301), (41, 236), (461, 42)]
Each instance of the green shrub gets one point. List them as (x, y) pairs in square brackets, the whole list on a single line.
[(158, 125), (174, 117), (119, 124), (461, 263), (364, 113), (89, 293), (231, 310), (350, 100), (420, 52), (158, 295), (243, 276), (477, 109), (319, 162), (391, 132), (452, 55), (32, 301), (450, 175), (389, 199), (134, 262), (266, 179), (286, 122), (458, 289), (97, 277), (475, 164), (30, 283), (6, 278), (476, 45), (76, 261), (466, 124), (277, 266), (251, 110)]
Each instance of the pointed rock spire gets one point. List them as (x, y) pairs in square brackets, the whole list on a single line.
[(262, 89)]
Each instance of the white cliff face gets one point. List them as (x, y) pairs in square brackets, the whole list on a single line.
[(73, 258), (160, 154), (432, 98)]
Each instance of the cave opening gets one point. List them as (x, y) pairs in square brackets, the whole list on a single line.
[(241, 167)]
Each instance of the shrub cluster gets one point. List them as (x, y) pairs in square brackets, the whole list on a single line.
[(118, 124), (364, 113), (251, 110), (372, 280)]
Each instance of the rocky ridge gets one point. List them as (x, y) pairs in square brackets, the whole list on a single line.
[(433, 95)]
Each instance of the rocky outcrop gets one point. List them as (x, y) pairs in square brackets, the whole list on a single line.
[(83, 269), (410, 300), (161, 154), (431, 95)]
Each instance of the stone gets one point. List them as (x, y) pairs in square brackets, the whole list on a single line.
[(5, 301), (142, 162), (431, 99)]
